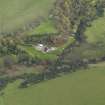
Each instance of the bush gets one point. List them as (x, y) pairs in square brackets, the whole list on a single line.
[(9, 60)]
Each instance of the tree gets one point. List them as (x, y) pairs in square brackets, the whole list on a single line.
[(73, 16), (9, 61), (61, 16), (100, 7)]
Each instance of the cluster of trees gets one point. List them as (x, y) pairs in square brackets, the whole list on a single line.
[(7, 46), (45, 38), (73, 16), (9, 50)]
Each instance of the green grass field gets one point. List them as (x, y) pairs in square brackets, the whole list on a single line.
[(46, 26), (14, 14), (96, 33), (84, 87)]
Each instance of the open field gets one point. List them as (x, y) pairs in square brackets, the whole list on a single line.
[(14, 14), (84, 87)]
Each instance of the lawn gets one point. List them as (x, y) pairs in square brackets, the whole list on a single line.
[(14, 14), (46, 26), (84, 87), (96, 33)]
